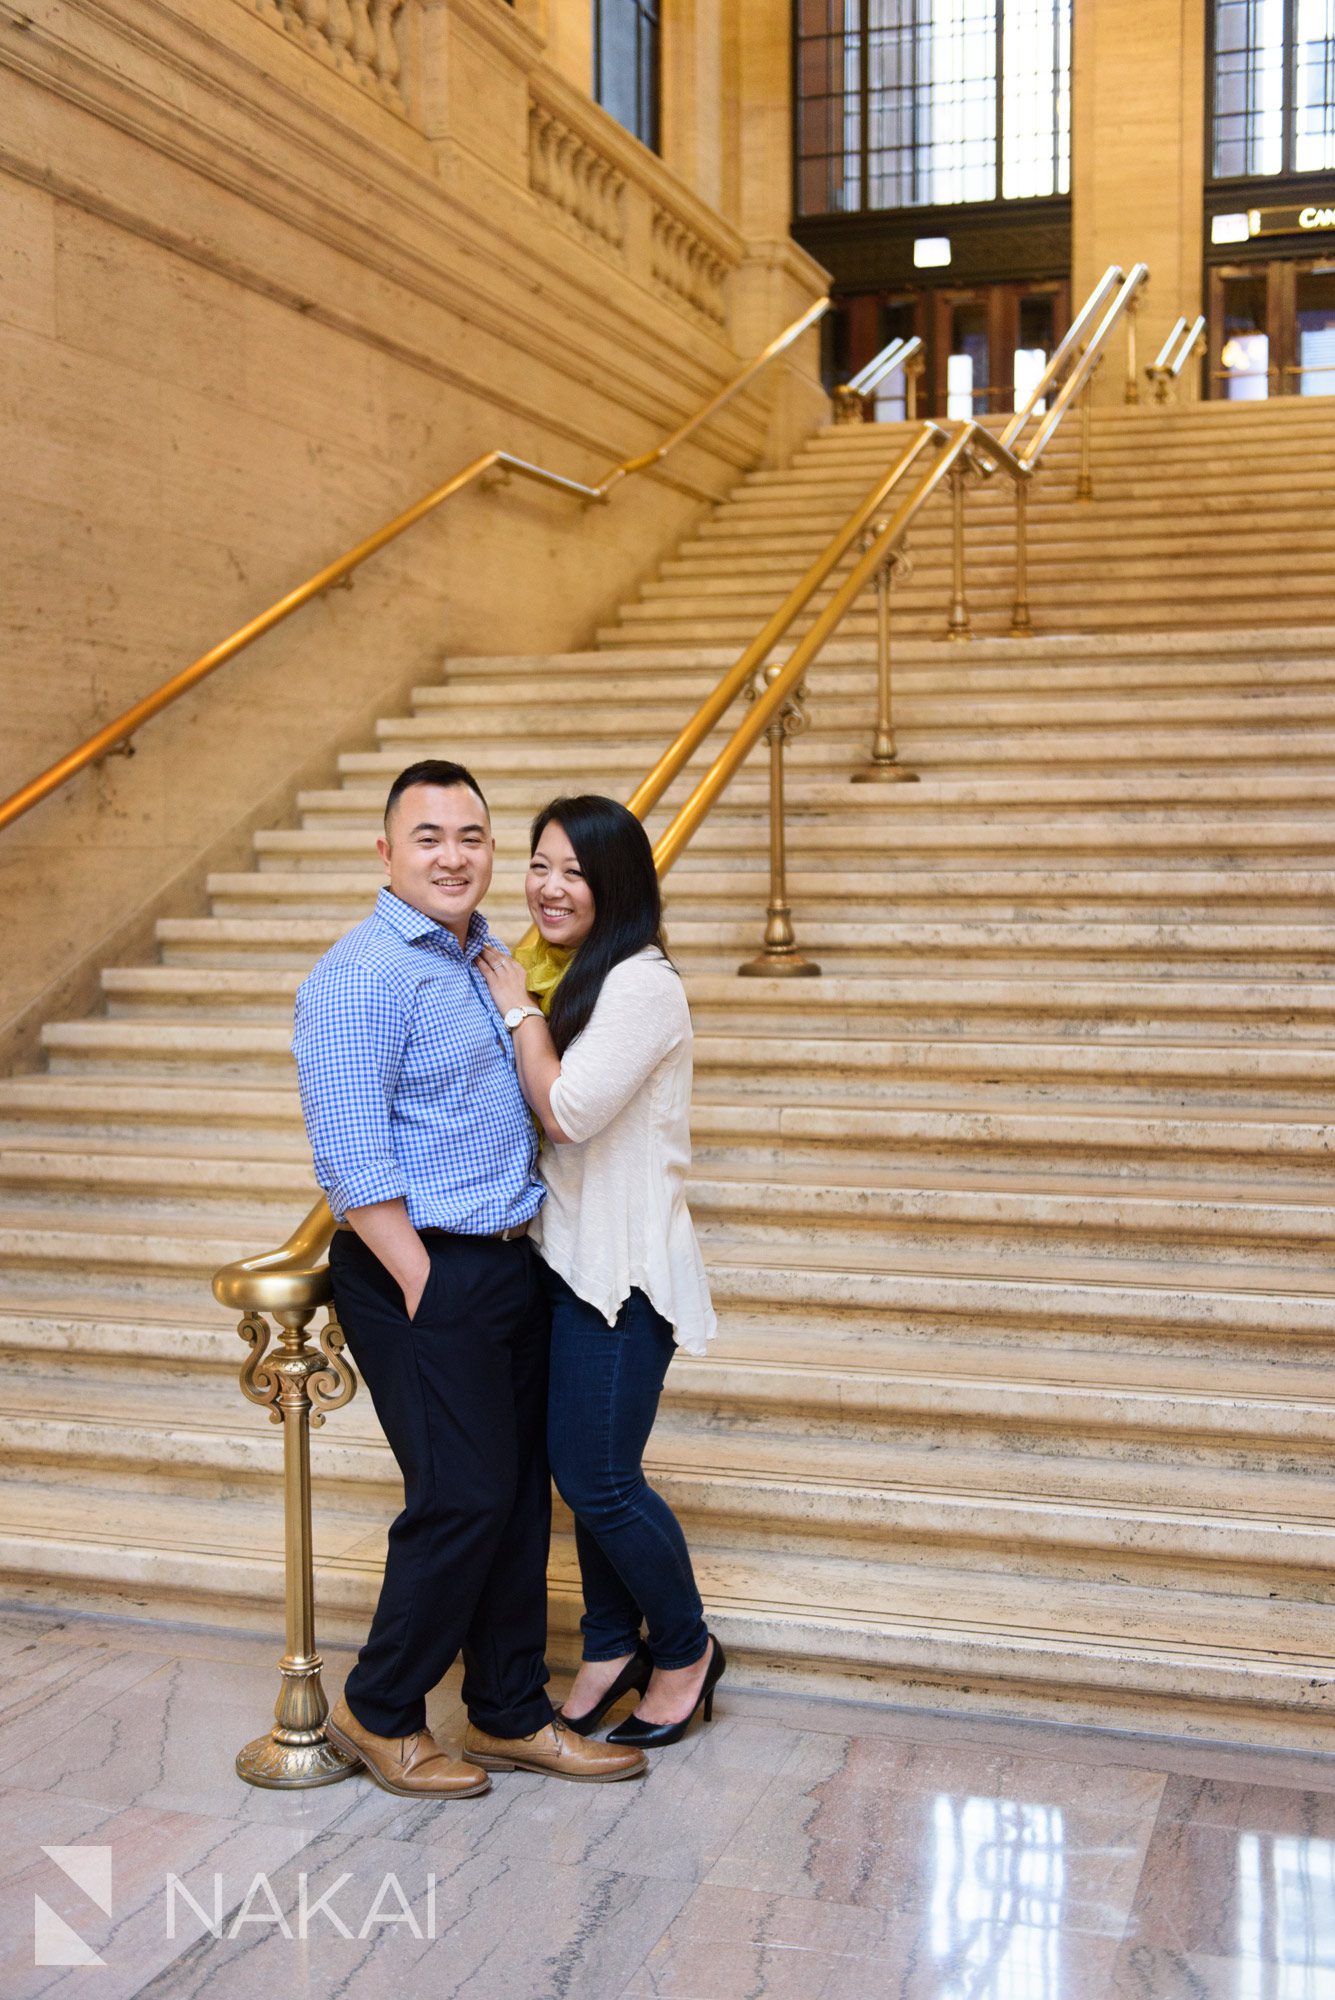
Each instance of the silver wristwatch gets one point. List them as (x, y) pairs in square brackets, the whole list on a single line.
[(518, 1014)]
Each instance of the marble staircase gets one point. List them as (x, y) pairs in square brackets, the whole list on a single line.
[(1018, 1219)]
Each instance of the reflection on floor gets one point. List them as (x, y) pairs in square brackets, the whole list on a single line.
[(793, 1850)]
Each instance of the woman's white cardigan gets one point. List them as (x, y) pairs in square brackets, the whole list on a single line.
[(615, 1216)]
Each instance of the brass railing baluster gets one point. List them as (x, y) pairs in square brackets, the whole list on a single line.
[(1084, 479), (298, 1386), (883, 766), (958, 625), (1022, 624), (779, 957)]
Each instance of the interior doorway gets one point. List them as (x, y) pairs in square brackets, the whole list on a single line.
[(1272, 329), (985, 345)]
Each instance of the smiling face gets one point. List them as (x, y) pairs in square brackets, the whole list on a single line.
[(560, 901), (438, 850)]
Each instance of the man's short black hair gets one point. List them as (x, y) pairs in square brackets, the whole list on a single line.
[(431, 771)]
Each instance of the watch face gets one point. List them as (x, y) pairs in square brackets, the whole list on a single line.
[(514, 1017)]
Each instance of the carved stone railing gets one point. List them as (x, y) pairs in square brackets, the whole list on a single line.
[(573, 177), (621, 200), (361, 39), (688, 267)]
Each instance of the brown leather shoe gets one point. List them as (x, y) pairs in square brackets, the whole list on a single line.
[(557, 1752), (413, 1766)]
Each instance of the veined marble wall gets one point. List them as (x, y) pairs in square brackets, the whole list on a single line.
[(268, 271)]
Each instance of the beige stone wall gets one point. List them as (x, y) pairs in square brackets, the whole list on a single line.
[(1138, 117), (252, 302)]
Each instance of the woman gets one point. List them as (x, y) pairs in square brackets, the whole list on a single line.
[(608, 1076)]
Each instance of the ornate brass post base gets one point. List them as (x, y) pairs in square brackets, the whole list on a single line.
[(779, 960), (876, 772), (296, 1754), (297, 1384)]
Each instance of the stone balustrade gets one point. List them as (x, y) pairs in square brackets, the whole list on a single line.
[(571, 175), (688, 267), (619, 199), (361, 39)]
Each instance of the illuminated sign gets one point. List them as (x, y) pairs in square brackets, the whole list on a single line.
[(931, 252), (1272, 222)]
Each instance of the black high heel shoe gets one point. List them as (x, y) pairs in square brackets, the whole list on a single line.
[(635, 1674), (655, 1735)]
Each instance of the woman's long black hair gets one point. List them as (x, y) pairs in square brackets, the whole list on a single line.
[(617, 862)]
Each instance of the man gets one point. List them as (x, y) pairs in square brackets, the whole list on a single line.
[(425, 1149)]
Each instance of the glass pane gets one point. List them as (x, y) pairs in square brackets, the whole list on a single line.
[(1316, 331), (1314, 103), (968, 375), (891, 397), (1249, 87), (627, 64), (829, 63), (1245, 354), (932, 81), (1036, 46)]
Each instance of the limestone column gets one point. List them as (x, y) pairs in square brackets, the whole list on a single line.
[(778, 280), (1138, 156)]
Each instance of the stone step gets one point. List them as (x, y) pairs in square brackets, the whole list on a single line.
[(1180, 676), (967, 1210), (991, 612), (1114, 1008), (1066, 947), (1134, 1656), (824, 753), (1133, 843), (185, 1107), (859, 1376), (874, 891), (943, 1508), (906, 1066), (968, 711), (1056, 570)]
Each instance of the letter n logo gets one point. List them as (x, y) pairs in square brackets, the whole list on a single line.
[(53, 1940)]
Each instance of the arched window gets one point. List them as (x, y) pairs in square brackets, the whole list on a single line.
[(626, 64), (1273, 108), (916, 103)]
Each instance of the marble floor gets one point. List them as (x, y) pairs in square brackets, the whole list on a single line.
[(793, 1850)]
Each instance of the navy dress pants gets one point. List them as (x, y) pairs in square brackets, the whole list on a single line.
[(461, 1394)]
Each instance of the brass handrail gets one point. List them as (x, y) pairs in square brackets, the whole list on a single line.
[(1173, 356), (1088, 362), (969, 443), (116, 735), (897, 354), (711, 711), (1068, 345), (891, 357)]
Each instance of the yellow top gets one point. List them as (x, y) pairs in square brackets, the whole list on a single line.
[(546, 966)]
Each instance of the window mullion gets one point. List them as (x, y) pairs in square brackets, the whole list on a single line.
[(999, 33)]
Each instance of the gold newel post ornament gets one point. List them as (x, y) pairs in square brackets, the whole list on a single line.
[(779, 957), (298, 1384)]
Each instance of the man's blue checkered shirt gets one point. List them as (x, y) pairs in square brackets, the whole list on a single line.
[(407, 1073)]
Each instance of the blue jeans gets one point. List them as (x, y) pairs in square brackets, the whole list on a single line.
[(633, 1559)]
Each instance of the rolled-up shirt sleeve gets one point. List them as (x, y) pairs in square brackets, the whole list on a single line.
[(640, 1015), (349, 1037)]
